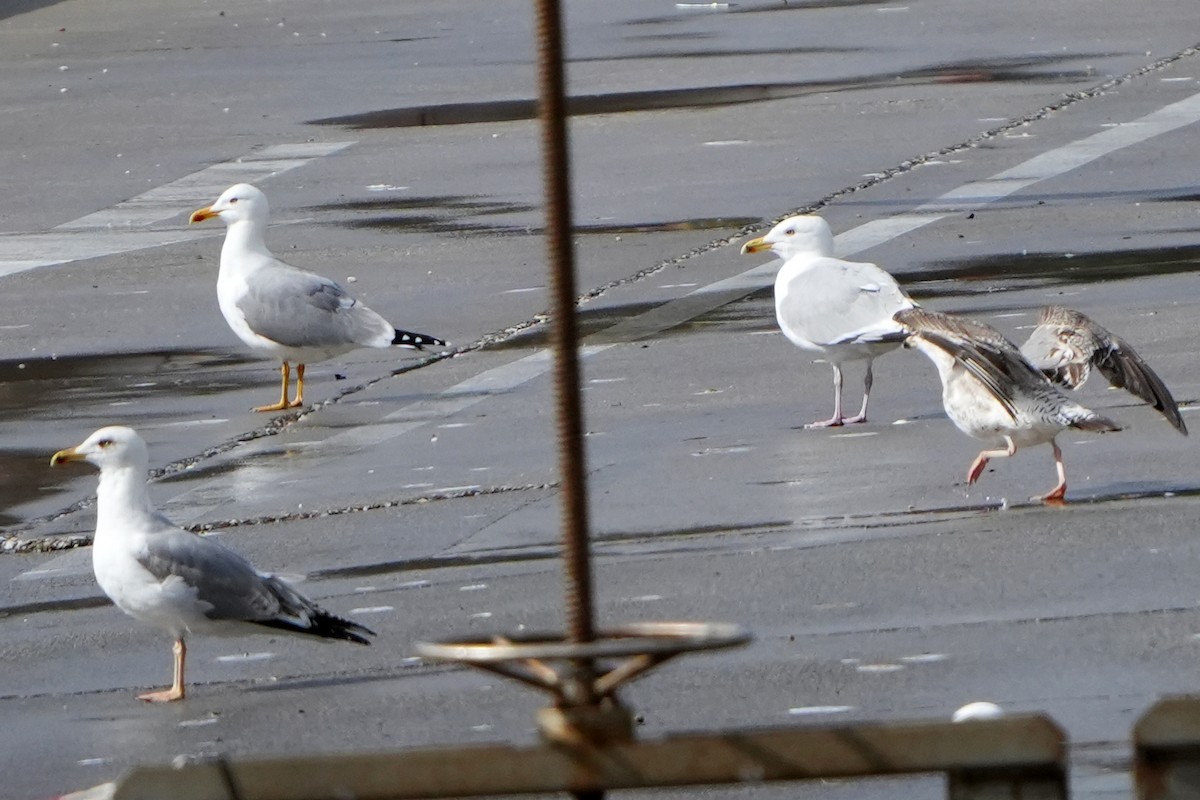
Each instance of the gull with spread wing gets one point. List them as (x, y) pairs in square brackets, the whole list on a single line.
[(992, 393), (1066, 344)]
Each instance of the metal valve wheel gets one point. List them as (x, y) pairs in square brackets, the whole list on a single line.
[(549, 662)]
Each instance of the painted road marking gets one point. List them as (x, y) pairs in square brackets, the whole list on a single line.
[(126, 226), (194, 504)]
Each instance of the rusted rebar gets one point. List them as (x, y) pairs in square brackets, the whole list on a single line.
[(556, 179)]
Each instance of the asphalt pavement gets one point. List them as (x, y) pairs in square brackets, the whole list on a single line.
[(995, 158)]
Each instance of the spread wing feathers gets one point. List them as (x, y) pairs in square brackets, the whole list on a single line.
[(831, 301), (302, 309), (980, 364), (984, 339), (981, 350), (230, 589), (1066, 344)]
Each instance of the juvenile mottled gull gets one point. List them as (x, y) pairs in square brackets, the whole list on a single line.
[(1066, 345), (291, 314), (992, 393), (840, 309), (172, 579)]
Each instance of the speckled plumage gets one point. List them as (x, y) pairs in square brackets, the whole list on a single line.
[(992, 393), (1066, 344)]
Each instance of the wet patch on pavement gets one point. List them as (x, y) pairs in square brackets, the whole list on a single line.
[(670, 226), (1011, 271), (39, 388), (25, 474), (752, 315), (1024, 69), (450, 214), (712, 53)]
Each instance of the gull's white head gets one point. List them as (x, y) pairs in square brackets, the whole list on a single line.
[(237, 203), (108, 448), (804, 234)]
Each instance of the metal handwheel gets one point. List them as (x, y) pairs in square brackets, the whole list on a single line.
[(548, 662)]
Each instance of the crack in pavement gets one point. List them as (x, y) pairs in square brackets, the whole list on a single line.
[(430, 497), (57, 542)]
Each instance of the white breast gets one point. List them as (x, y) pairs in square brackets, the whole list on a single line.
[(170, 605)]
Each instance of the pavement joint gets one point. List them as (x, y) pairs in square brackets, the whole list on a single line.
[(428, 497), (17, 544)]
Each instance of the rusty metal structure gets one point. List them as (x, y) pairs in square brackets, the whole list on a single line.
[(586, 709)]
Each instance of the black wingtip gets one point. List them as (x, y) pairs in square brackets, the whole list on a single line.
[(326, 626), (416, 341)]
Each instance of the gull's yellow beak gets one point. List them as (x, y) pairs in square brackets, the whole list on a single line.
[(752, 246), (201, 214), (65, 456)]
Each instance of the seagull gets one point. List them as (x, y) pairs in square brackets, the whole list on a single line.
[(291, 314), (840, 309), (162, 575), (992, 393), (1066, 344)]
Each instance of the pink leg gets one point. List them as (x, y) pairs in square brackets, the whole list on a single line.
[(176, 692), (861, 416), (837, 418), (981, 460), (1059, 492)]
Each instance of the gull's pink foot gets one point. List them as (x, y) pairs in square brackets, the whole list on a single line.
[(832, 422), (164, 696)]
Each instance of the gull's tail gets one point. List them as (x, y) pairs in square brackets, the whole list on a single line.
[(298, 614), (1084, 419), (416, 341)]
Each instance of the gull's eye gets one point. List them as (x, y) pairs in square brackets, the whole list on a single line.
[(105, 443), (790, 231), (232, 200)]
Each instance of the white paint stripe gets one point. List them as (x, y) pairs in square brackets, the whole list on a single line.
[(18, 252), (226, 488), (964, 198), (125, 226), (197, 502)]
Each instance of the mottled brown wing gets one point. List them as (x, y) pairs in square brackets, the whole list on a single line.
[(1066, 344)]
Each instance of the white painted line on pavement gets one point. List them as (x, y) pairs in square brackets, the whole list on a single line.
[(194, 504), (243, 482), (126, 226), (700, 301)]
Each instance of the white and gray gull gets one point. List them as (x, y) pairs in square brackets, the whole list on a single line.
[(1066, 344), (185, 583), (840, 309), (290, 314), (991, 392)]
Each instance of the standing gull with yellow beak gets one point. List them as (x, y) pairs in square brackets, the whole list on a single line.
[(287, 313), (840, 309), (167, 577)]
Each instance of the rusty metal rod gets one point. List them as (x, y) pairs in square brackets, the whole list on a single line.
[(556, 179)]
